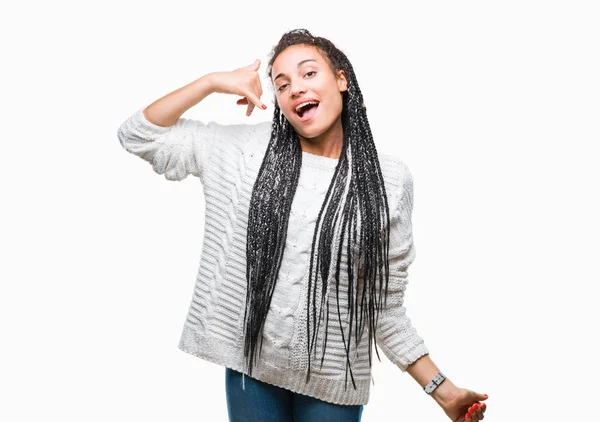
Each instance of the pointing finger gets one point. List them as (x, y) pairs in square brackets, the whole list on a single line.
[(254, 101)]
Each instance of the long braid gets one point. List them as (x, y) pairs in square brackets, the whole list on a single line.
[(355, 210), (268, 217)]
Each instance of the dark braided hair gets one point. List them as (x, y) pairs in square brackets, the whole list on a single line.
[(354, 207)]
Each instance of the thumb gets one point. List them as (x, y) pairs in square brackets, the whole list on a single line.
[(255, 65)]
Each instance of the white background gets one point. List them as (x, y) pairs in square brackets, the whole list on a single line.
[(494, 106)]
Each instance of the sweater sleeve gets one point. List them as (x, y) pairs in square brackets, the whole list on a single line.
[(175, 151), (396, 335)]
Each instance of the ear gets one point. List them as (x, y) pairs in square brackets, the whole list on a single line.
[(341, 80)]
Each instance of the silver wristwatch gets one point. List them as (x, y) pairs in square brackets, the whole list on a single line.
[(437, 380)]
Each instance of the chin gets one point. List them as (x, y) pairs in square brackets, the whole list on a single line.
[(309, 134)]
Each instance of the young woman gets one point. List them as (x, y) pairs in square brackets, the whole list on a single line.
[(307, 240)]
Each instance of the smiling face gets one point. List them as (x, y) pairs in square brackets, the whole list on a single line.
[(300, 73)]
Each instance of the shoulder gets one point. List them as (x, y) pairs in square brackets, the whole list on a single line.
[(240, 130), (395, 171), (262, 132), (235, 148), (399, 183), (247, 135)]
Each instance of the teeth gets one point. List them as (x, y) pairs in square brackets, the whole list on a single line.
[(305, 104)]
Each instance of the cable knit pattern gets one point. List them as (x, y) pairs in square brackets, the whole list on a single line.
[(226, 158)]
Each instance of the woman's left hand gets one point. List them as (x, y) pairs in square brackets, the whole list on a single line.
[(465, 406)]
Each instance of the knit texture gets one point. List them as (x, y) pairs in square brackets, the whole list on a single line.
[(226, 158)]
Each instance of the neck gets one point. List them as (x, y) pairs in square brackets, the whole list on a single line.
[(328, 144)]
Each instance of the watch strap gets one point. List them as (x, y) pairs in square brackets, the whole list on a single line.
[(437, 380)]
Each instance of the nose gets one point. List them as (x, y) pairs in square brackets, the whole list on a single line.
[(297, 90)]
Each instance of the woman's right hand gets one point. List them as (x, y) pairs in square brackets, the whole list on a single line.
[(245, 82)]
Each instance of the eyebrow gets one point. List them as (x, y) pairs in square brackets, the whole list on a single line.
[(299, 64)]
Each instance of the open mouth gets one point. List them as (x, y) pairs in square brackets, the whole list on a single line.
[(307, 111)]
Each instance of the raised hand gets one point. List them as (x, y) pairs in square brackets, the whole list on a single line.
[(245, 82)]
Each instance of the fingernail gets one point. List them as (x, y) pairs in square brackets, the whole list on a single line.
[(483, 405), (476, 407), (247, 114), (486, 395), (468, 416), (264, 107), (470, 410)]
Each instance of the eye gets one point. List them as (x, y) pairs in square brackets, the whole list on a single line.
[(282, 86)]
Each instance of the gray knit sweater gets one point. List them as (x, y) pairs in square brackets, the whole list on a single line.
[(226, 158)]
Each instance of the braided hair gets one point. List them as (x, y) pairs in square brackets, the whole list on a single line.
[(355, 207)]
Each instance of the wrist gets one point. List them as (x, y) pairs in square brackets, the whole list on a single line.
[(209, 83), (444, 393)]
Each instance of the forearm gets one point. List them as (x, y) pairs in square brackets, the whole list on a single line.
[(168, 109), (423, 370)]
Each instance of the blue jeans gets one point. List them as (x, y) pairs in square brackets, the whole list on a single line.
[(263, 402)]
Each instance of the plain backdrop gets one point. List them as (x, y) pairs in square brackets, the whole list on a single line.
[(494, 106)]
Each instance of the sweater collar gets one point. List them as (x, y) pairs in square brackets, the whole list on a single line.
[(320, 161)]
